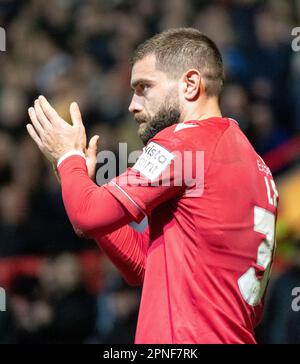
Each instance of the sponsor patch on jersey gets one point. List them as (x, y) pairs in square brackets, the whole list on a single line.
[(153, 161)]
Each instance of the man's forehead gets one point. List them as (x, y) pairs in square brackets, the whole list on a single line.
[(145, 70), (147, 63)]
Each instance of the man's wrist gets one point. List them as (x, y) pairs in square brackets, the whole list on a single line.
[(69, 154)]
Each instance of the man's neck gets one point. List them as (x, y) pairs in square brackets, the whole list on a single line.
[(203, 110)]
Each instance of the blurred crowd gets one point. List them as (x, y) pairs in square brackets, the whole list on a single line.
[(56, 306), (79, 50)]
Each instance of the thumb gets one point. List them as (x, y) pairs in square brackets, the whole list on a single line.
[(76, 114), (92, 149)]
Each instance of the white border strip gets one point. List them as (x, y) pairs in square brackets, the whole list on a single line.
[(126, 194), (70, 154)]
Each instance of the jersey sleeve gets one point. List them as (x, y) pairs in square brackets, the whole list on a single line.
[(161, 173), (127, 250)]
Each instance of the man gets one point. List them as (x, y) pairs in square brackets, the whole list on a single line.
[(204, 261)]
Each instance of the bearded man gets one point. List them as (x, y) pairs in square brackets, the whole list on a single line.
[(205, 258)]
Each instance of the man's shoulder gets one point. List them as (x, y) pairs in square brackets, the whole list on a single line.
[(194, 133)]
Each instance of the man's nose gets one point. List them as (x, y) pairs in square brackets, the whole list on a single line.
[(135, 105)]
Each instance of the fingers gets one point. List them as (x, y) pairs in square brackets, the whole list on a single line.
[(48, 110), (76, 115), (91, 156), (35, 121), (41, 117), (34, 135), (92, 149), (91, 152)]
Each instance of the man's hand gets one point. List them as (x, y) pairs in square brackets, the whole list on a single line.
[(52, 134), (91, 156)]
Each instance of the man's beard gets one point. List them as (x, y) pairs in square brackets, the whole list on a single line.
[(167, 115)]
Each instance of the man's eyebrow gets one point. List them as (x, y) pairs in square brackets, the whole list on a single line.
[(136, 82)]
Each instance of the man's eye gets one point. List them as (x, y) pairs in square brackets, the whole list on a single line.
[(145, 87), (141, 88)]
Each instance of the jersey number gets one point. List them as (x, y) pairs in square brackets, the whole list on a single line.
[(252, 288)]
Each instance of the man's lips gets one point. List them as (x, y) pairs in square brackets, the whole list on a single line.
[(140, 121)]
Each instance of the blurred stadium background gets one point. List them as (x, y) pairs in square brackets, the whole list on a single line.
[(61, 289)]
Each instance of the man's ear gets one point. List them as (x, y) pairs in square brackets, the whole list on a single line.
[(193, 84)]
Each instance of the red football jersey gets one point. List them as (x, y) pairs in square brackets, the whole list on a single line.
[(211, 232)]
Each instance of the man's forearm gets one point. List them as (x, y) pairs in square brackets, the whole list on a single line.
[(97, 214), (89, 206)]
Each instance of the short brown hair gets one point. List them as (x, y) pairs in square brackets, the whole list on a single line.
[(177, 50)]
